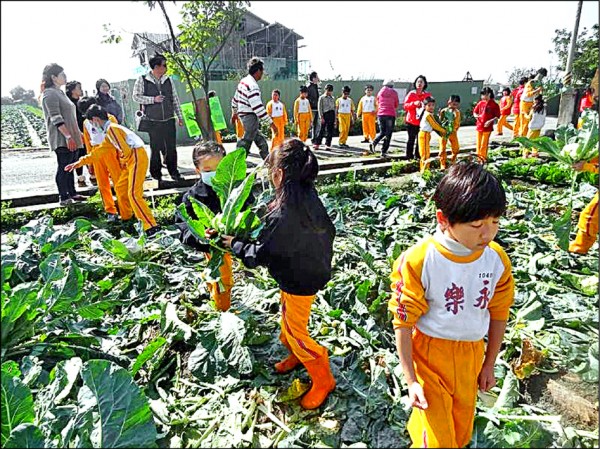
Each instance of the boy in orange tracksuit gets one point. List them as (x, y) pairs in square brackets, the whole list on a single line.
[(448, 292), (277, 112), (505, 107), (587, 227), (453, 105), (345, 115), (367, 108), (428, 124), (533, 87), (131, 152), (302, 114), (104, 167)]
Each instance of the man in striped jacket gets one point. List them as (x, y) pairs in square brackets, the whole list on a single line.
[(247, 105)]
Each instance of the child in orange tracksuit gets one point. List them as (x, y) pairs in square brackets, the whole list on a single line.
[(131, 152), (106, 167), (367, 108), (532, 88), (428, 124), (449, 291), (486, 112), (302, 114), (453, 105), (505, 106), (276, 109), (296, 245), (206, 157), (587, 227), (344, 115)]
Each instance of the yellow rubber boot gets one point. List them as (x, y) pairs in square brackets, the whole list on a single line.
[(323, 382), (582, 243)]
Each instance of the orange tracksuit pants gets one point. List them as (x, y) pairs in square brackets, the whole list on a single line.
[(222, 299), (587, 228), (108, 167), (344, 127), (453, 138), (218, 137), (517, 125), (295, 312), (448, 371), (239, 129), (280, 137), (368, 125), (502, 123), (483, 141), (525, 107), (132, 180), (424, 142), (303, 123)]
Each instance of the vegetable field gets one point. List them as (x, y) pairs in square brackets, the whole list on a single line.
[(23, 126), (109, 340)]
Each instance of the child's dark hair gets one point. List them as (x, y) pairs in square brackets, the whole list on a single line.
[(96, 110), (468, 192), (276, 91), (211, 94), (543, 71), (205, 149), (346, 89), (329, 87), (300, 168), (488, 91), (84, 104), (303, 89), (538, 103), (454, 98), (506, 91), (523, 80), (424, 79), (428, 100), (369, 86)]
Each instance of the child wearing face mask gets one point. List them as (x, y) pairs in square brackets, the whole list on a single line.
[(448, 292), (296, 245), (206, 157)]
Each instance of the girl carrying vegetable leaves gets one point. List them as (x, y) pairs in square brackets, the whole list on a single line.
[(296, 245), (206, 157)]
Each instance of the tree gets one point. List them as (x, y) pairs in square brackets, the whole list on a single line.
[(585, 61), (517, 73), (21, 95), (6, 100), (205, 29)]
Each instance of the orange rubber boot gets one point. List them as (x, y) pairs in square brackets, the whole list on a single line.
[(582, 243), (323, 382), (290, 362)]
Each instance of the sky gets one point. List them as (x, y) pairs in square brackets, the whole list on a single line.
[(399, 40)]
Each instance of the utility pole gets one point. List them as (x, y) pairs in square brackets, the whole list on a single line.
[(568, 99)]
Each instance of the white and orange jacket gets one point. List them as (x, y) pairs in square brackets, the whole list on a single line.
[(449, 292), (277, 111), (301, 106), (367, 104), (428, 124)]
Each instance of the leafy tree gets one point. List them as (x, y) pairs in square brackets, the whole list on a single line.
[(205, 29), (6, 100), (585, 60), (21, 95), (517, 73)]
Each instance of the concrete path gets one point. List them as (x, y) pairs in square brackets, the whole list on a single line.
[(32, 172)]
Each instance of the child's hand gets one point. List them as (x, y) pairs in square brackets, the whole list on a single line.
[(487, 380), (70, 167), (226, 240), (489, 122), (209, 233), (578, 166), (417, 396)]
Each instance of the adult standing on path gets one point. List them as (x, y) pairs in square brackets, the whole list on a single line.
[(107, 101), (247, 105), (313, 99), (387, 104), (64, 136), (414, 107), (74, 93), (155, 91)]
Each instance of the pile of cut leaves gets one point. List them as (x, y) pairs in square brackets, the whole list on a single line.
[(111, 340)]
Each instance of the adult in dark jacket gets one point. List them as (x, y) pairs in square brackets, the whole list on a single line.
[(296, 245), (313, 99), (206, 158), (74, 93), (107, 101)]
